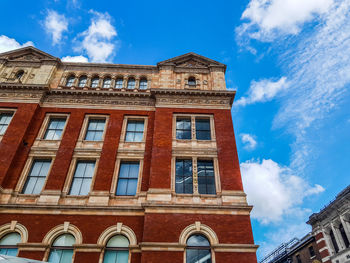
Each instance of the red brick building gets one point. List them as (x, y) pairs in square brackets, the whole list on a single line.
[(119, 163)]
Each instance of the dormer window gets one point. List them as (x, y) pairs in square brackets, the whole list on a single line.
[(19, 74), (70, 81), (192, 82), (131, 83), (94, 82), (107, 83), (82, 81), (143, 84)]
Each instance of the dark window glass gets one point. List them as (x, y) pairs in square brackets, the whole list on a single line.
[(134, 131), (8, 244), (183, 128), (131, 83), (37, 176), (343, 234), (192, 81), (5, 119), (311, 251), (143, 84), (55, 128), (198, 250), (107, 83), (119, 83), (62, 249), (203, 129), (70, 81), (334, 242), (298, 259), (19, 74), (95, 82), (82, 81), (81, 183), (95, 130), (127, 179), (206, 178), (184, 177)]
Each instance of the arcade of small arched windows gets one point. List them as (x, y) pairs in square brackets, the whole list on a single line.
[(105, 82)]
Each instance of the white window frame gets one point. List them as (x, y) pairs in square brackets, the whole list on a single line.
[(9, 110)]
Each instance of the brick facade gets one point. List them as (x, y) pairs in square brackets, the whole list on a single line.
[(156, 220)]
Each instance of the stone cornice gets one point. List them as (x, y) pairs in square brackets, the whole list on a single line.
[(20, 86)]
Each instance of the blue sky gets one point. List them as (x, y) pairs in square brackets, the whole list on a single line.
[(289, 61)]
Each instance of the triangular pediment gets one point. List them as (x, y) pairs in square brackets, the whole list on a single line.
[(191, 60), (28, 54)]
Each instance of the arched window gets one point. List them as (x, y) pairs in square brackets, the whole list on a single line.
[(70, 81), (131, 83), (62, 249), (192, 81), (106, 83), (198, 249), (94, 82), (143, 83), (19, 74), (82, 81), (119, 83), (117, 250), (334, 242), (8, 244), (343, 234)]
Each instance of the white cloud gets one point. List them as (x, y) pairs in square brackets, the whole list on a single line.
[(268, 19), (249, 141), (274, 190), (55, 24), (262, 91), (75, 59), (7, 44), (98, 40)]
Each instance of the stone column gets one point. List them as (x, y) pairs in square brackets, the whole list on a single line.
[(338, 238), (88, 81), (113, 78), (346, 226), (137, 83)]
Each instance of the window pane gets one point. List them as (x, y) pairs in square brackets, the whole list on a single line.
[(183, 178), (127, 179), (65, 240), (107, 83), (183, 129), (119, 83), (9, 251), (95, 130), (5, 119), (118, 241), (82, 178), (134, 131), (110, 256), (37, 176), (122, 256), (67, 255), (55, 255), (206, 178), (70, 81), (143, 84), (94, 82), (131, 83), (54, 129), (203, 129), (82, 81), (10, 239), (198, 241)]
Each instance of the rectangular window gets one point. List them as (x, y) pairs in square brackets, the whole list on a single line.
[(312, 252), (37, 176), (298, 259), (203, 129), (134, 131), (5, 118), (81, 183), (95, 130), (127, 178), (206, 178), (184, 177), (55, 128), (183, 128)]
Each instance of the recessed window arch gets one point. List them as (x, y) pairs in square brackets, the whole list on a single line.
[(119, 83), (62, 249), (70, 81), (192, 82), (198, 249), (19, 74), (334, 242), (143, 83), (8, 244), (95, 81), (131, 83), (82, 81), (117, 250), (344, 236), (107, 83)]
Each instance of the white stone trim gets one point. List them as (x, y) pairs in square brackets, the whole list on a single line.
[(198, 228), (14, 226), (65, 228)]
